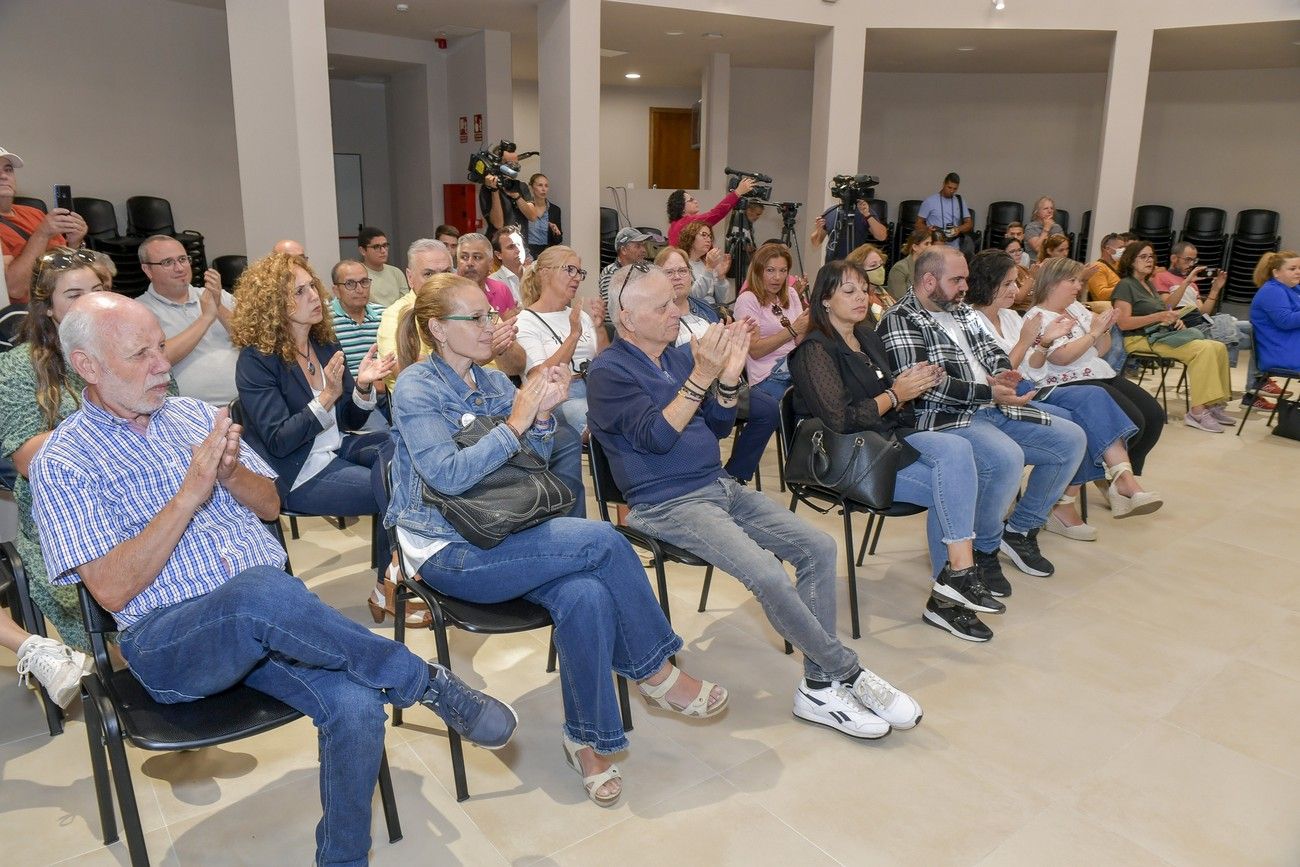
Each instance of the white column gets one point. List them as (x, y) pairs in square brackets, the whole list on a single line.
[(716, 121), (568, 94), (280, 80), (836, 112), (1121, 135), (499, 97)]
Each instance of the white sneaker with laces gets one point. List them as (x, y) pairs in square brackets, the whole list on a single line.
[(894, 706), (57, 666), (837, 707)]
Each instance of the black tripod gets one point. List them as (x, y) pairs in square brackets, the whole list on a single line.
[(789, 237), (739, 242), (846, 225)]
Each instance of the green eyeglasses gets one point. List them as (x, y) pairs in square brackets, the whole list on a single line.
[(482, 320)]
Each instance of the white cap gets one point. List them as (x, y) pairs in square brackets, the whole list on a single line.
[(14, 159)]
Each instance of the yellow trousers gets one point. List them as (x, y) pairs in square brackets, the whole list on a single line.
[(1208, 382)]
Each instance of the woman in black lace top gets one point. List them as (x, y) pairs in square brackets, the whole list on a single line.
[(841, 376)]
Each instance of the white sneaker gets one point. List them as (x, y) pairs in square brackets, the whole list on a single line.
[(894, 706), (57, 666), (837, 707)]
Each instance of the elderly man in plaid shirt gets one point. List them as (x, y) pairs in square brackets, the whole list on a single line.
[(978, 400), (152, 503)]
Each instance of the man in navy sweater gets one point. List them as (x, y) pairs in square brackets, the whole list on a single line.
[(658, 413)]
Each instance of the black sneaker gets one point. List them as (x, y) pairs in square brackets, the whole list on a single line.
[(1022, 548), (991, 573), (964, 587), (951, 617), (475, 716)]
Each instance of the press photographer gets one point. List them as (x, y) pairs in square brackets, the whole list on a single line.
[(854, 193), (683, 208), (501, 192)]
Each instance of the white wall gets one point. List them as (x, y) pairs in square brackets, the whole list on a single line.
[(360, 125), (1010, 137), (123, 99), (1223, 138)]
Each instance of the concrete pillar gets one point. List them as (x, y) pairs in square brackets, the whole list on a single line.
[(716, 119), (568, 88), (1121, 133), (499, 91), (280, 84), (836, 112)]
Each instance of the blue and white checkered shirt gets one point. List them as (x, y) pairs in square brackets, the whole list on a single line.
[(98, 482)]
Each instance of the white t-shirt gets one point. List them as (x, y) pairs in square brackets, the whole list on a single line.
[(1010, 323), (1090, 365), (208, 372), (540, 341), (949, 324)]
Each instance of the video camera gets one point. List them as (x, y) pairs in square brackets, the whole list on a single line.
[(489, 162), (850, 189), (762, 183)]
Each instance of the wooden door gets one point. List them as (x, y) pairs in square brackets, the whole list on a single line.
[(674, 163)]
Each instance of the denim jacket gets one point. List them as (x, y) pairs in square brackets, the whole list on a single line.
[(430, 404)]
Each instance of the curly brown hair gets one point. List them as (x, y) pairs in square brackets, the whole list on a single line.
[(686, 239), (261, 318)]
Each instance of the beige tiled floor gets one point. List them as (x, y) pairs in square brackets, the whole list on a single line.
[(1138, 708)]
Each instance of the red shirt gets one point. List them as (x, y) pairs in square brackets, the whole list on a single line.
[(29, 218), (720, 210)]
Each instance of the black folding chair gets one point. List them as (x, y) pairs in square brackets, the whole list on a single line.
[(118, 710), (13, 580), (1280, 373), (1150, 361)]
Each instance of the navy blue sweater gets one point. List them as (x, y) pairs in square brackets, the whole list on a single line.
[(651, 461)]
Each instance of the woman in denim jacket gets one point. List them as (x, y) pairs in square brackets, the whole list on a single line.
[(583, 572)]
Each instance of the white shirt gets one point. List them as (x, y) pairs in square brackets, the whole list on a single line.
[(1089, 365), (540, 341), (949, 324), (208, 372), (327, 442), (511, 279)]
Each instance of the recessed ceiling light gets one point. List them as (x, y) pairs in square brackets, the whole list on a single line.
[(402, 7), (712, 35), (674, 33), (631, 75), (999, 5), (611, 52), (966, 48)]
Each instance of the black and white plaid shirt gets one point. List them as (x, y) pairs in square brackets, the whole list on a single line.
[(912, 336)]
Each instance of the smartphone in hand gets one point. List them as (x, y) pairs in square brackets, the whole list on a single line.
[(63, 196)]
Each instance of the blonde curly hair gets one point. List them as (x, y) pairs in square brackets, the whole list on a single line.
[(263, 295)]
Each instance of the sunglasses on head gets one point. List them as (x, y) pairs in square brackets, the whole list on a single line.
[(60, 260), (638, 267)]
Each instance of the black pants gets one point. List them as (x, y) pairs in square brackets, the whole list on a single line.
[(1141, 408)]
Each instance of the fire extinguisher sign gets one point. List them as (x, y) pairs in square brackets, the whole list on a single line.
[(464, 129), (478, 127)]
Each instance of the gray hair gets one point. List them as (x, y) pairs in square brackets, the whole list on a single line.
[(933, 260), (625, 278), (1180, 249), (473, 238), (334, 272), (427, 245), (143, 250), (78, 331)]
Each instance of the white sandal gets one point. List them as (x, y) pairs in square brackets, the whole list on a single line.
[(1141, 503), (595, 781), (699, 708)]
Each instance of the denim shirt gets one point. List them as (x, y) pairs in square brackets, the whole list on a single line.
[(430, 404)]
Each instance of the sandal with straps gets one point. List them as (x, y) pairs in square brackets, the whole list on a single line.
[(1141, 503), (595, 781), (699, 707)]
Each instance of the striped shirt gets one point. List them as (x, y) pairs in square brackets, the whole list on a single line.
[(98, 482), (355, 339)]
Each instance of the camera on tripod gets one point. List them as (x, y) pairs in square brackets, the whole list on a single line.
[(762, 183), (489, 162), (850, 189)]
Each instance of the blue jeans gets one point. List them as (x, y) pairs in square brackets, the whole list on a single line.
[(573, 411), (1002, 446), (738, 530), (566, 462), (593, 584), (266, 629), (945, 481), (776, 382), (761, 423), (351, 484), (1102, 420)]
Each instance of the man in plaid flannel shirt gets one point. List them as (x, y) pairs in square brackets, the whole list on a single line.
[(977, 400)]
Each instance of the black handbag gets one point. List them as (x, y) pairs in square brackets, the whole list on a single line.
[(861, 466), (1288, 419), (519, 494)]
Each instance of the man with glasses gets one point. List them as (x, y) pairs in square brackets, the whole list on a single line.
[(387, 283), (356, 320), (193, 319), (26, 233)]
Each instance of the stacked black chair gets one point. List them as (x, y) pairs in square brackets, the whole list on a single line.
[(608, 232), (1155, 225), (824, 500), (1062, 218), (999, 216), (102, 235), (1207, 229), (1081, 253), (118, 709), (13, 578), (1256, 233), (151, 215), (230, 267), (32, 202), (908, 210)]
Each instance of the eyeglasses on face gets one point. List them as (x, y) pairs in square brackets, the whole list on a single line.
[(672, 273), (574, 271), (482, 320), (383, 246), (353, 285), (170, 262)]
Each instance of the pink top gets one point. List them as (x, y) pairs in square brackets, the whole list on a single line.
[(499, 295), (720, 210), (769, 323)]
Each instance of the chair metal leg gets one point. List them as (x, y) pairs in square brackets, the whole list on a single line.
[(99, 768), (788, 649), (875, 539), (550, 653), (853, 575), (389, 801), (704, 591), (1083, 503), (780, 465), (794, 502), (126, 803), (862, 549), (293, 527), (453, 739), (624, 704), (277, 530)]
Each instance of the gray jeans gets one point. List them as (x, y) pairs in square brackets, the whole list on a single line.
[(738, 530)]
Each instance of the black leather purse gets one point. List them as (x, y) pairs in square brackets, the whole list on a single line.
[(519, 494), (861, 466)]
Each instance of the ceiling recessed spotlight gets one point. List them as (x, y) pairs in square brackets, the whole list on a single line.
[(631, 75), (966, 48), (999, 5), (402, 7), (712, 35), (674, 33)]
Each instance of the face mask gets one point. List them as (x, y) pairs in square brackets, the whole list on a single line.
[(877, 275)]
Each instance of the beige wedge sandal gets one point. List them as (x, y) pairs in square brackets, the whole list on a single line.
[(595, 781), (699, 707)]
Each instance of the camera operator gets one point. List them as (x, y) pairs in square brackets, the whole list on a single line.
[(865, 225), (945, 212), (499, 199), (683, 208)]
